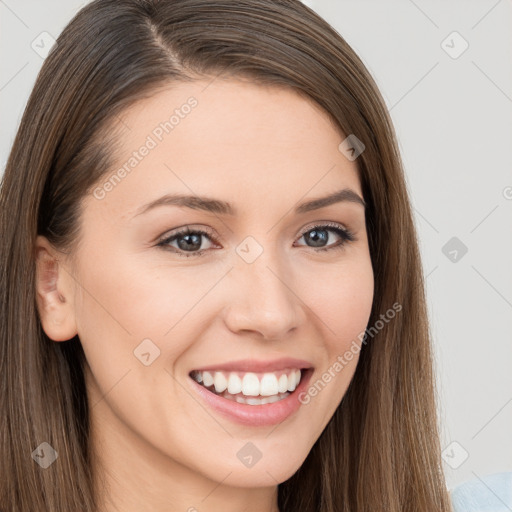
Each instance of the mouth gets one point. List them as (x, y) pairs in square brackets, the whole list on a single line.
[(253, 398), (251, 388)]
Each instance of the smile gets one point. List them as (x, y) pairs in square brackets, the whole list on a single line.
[(252, 398), (249, 387)]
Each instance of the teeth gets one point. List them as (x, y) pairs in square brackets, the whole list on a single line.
[(269, 385), (220, 382), (234, 384), (254, 401), (293, 380), (250, 385), (283, 383), (257, 401), (207, 378)]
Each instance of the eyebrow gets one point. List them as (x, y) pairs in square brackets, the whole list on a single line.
[(224, 208)]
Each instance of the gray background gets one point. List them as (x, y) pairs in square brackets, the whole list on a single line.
[(452, 115)]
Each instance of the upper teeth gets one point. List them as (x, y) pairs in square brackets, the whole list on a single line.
[(250, 384)]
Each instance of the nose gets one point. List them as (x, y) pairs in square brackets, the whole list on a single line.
[(262, 299)]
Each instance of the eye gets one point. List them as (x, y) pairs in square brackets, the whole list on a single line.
[(319, 234), (190, 240)]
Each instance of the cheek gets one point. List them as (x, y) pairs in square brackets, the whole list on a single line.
[(342, 301), (125, 297), (128, 308), (341, 308)]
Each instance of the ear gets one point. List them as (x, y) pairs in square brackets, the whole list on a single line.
[(54, 293)]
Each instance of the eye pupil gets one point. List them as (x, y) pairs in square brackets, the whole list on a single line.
[(316, 237), (195, 244)]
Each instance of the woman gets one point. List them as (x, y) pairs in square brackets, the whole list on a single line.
[(212, 296)]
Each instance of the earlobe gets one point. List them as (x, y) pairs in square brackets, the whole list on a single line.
[(53, 293)]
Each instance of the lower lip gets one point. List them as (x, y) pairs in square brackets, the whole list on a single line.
[(255, 415)]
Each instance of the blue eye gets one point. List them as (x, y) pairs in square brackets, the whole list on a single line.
[(189, 239), (315, 234)]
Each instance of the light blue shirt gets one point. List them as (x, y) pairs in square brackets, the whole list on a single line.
[(491, 493)]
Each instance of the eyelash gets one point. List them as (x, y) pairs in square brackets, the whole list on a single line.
[(346, 237)]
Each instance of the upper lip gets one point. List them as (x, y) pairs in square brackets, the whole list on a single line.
[(255, 365)]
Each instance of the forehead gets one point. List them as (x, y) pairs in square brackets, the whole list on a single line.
[(246, 143)]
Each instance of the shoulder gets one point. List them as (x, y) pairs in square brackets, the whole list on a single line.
[(491, 493)]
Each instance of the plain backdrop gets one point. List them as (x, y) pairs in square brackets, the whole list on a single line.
[(445, 71)]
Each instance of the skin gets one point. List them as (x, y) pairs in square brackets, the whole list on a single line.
[(157, 445)]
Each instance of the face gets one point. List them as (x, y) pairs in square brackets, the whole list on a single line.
[(257, 293)]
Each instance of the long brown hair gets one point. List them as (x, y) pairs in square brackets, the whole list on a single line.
[(380, 451)]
